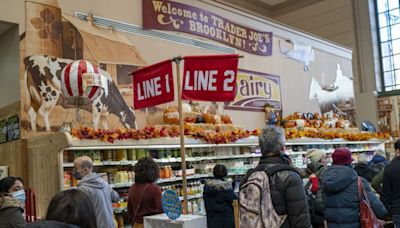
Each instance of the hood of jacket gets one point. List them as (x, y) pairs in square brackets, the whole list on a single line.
[(214, 186), (50, 224), (338, 177), (378, 159), (93, 180), (9, 201)]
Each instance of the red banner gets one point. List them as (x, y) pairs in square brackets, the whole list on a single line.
[(153, 85), (210, 78)]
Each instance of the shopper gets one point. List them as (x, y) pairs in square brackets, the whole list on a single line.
[(315, 170), (218, 198), (390, 195), (98, 190), (12, 202), (363, 169), (286, 187), (70, 209), (341, 195), (378, 161), (145, 195)]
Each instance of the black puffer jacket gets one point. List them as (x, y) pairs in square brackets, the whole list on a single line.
[(218, 197), (288, 195)]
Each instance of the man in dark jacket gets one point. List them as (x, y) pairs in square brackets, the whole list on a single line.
[(98, 190), (287, 192), (341, 197), (391, 186)]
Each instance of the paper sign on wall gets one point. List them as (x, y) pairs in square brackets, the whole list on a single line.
[(210, 78), (153, 85)]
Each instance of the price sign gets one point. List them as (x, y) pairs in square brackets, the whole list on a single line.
[(171, 204)]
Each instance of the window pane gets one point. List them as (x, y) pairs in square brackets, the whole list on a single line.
[(396, 46), (393, 4), (387, 63), (383, 19), (396, 61), (390, 88), (382, 5), (397, 74), (395, 32), (386, 49), (389, 79), (384, 34), (394, 16)]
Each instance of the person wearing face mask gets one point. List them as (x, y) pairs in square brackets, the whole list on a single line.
[(12, 202), (100, 193)]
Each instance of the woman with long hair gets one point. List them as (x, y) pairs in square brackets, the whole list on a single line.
[(145, 195)]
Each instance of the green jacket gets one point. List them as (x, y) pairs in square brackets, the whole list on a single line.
[(376, 182)]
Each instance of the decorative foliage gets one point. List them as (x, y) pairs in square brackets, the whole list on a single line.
[(48, 25)]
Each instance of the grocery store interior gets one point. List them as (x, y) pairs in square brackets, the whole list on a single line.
[(323, 70)]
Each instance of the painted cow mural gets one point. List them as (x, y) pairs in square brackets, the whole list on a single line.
[(43, 93)]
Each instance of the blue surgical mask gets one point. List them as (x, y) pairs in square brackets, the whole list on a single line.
[(19, 195)]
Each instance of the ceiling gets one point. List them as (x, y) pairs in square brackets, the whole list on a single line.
[(4, 26), (269, 8), (272, 2)]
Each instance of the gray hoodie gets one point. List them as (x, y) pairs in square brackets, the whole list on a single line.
[(102, 197)]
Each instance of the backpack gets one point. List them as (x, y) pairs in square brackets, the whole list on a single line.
[(255, 202)]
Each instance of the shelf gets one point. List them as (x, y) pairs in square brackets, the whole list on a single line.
[(170, 143), (191, 197), (104, 163), (195, 159), (331, 151), (175, 179)]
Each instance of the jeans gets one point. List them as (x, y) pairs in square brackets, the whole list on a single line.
[(396, 220)]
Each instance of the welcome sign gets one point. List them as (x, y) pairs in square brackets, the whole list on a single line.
[(255, 90), (173, 16)]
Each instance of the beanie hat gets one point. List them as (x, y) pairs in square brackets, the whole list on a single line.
[(315, 155), (342, 156)]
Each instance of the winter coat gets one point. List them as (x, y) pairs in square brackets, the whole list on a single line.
[(378, 163), (315, 198), (341, 197), (376, 182), (102, 197), (364, 170), (390, 195), (288, 195), (50, 224), (218, 197), (11, 212)]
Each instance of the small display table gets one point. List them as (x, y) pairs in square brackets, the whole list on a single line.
[(185, 221)]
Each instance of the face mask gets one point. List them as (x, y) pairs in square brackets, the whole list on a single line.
[(76, 175), (19, 195)]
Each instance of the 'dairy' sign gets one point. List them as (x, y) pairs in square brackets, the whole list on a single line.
[(255, 90), (210, 78), (173, 16), (153, 85)]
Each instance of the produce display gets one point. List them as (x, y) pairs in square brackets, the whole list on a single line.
[(328, 126), (218, 129)]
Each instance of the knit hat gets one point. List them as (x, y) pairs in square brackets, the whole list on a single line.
[(380, 153), (342, 156), (315, 155)]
